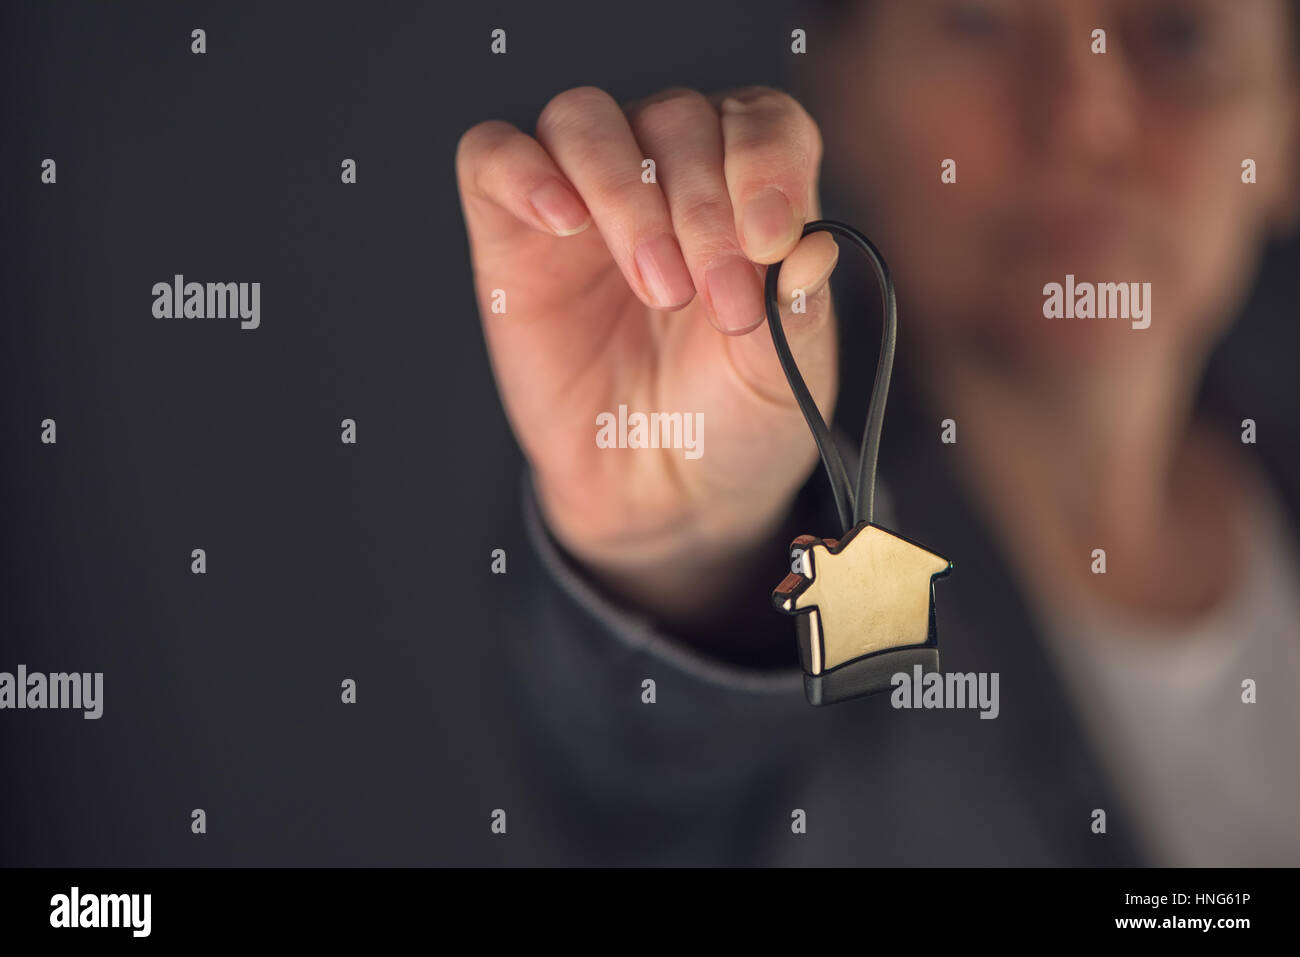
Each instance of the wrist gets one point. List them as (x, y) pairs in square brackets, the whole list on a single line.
[(682, 569)]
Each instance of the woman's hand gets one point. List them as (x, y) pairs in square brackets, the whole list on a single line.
[(649, 294)]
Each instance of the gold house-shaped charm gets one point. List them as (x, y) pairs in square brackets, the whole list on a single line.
[(865, 607)]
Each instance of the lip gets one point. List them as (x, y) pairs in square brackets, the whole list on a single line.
[(1062, 209), (1069, 231)]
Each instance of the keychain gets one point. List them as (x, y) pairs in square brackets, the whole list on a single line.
[(864, 602)]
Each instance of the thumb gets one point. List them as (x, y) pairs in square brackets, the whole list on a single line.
[(808, 320)]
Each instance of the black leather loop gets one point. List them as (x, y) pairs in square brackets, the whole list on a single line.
[(856, 503)]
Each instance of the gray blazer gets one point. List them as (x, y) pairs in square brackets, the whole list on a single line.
[(716, 770)]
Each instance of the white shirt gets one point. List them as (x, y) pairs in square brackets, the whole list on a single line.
[(1211, 781)]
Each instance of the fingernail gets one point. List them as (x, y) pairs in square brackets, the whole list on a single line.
[(563, 212), (767, 223), (663, 271), (735, 295), (816, 285)]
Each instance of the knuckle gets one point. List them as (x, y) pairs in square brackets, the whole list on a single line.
[(765, 99), (785, 122), (479, 139), (778, 101), (572, 107), (673, 109), (707, 215), (766, 115), (483, 147)]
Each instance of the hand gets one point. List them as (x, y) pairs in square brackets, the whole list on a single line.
[(650, 295)]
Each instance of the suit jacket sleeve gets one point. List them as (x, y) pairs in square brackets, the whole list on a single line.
[(593, 742)]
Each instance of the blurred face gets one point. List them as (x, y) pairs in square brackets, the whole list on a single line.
[(1123, 166)]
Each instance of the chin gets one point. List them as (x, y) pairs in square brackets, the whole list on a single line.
[(1067, 346)]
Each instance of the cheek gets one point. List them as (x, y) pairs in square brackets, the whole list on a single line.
[(1205, 223), (934, 233)]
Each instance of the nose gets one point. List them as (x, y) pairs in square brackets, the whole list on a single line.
[(1081, 106)]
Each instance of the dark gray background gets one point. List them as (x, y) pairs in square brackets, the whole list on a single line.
[(325, 561)]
